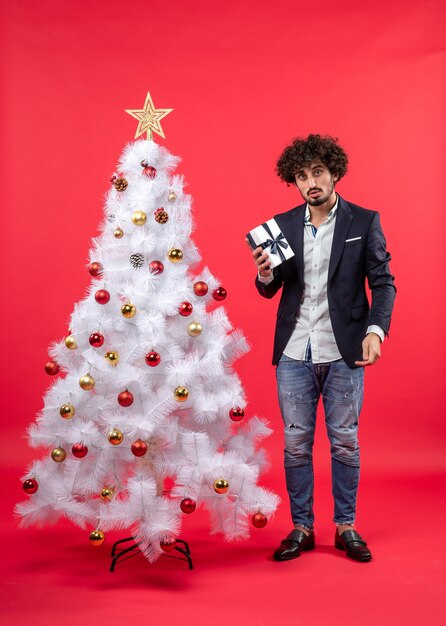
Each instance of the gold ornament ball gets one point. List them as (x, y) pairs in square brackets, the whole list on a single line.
[(139, 218), (118, 233), (107, 493), (181, 394), (112, 358), (67, 411), (175, 255), (128, 310), (194, 329), (172, 196), (97, 537), (58, 455), (115, 436), (70, 342), (221, 485), (87, 382)]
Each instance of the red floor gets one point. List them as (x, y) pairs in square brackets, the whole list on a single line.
[(53, 576)]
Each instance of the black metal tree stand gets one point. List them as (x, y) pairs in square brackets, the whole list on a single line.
[(120, 554)]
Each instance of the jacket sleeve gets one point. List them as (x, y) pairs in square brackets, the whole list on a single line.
[(269, 290), (380, 280)]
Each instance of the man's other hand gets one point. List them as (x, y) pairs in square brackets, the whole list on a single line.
[(261, 259), (371, 350)]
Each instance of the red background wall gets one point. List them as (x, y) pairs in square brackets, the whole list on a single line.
[(243, 79)]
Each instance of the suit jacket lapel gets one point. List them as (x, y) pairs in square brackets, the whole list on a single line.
[(343, 220), (295, 237)]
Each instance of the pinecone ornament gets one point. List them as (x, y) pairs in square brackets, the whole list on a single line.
[(161, 216), (137, 260), (120, 184)]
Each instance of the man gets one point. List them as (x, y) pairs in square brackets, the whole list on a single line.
[(325, 332)]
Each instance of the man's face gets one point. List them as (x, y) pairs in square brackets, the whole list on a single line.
[(315, 183)]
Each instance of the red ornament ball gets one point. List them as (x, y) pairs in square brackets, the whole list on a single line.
[(95, 269), (188, 505), (79, 450), (30, 485), (259, 520), (185, 309), (153, 358), (149, 171), (156, 267), (200, 288), (236, 414), (102, 296), (168, 545), (125, 398), (219, 294), (96, 340), (139, 447), (52, 368)]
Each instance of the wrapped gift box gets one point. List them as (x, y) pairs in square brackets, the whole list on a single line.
[(272, 240)]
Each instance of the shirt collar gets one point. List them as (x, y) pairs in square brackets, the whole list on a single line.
[(330, 216)]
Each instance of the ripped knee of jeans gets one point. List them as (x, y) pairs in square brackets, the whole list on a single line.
[(298, 444)]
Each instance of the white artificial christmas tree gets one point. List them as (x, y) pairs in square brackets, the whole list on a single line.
[(147, 391)]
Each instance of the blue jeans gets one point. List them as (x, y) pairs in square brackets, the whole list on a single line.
[(300, 384)]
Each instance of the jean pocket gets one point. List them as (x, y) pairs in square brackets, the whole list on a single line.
[(286, 359)]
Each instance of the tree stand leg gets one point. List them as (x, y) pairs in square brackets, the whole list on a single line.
[(120, 554)]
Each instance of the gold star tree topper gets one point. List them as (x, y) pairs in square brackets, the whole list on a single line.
[(149, 118)]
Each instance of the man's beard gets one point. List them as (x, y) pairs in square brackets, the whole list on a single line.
[(317, 201)]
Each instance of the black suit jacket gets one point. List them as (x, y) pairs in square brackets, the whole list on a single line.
[(351, 263)]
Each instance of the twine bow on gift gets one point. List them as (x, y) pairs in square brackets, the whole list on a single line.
[(276, 243)]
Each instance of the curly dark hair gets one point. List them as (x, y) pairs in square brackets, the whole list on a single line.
[(303, 151)]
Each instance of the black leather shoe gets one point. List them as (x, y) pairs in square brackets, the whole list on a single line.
[(354, 545), (292, 546)]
